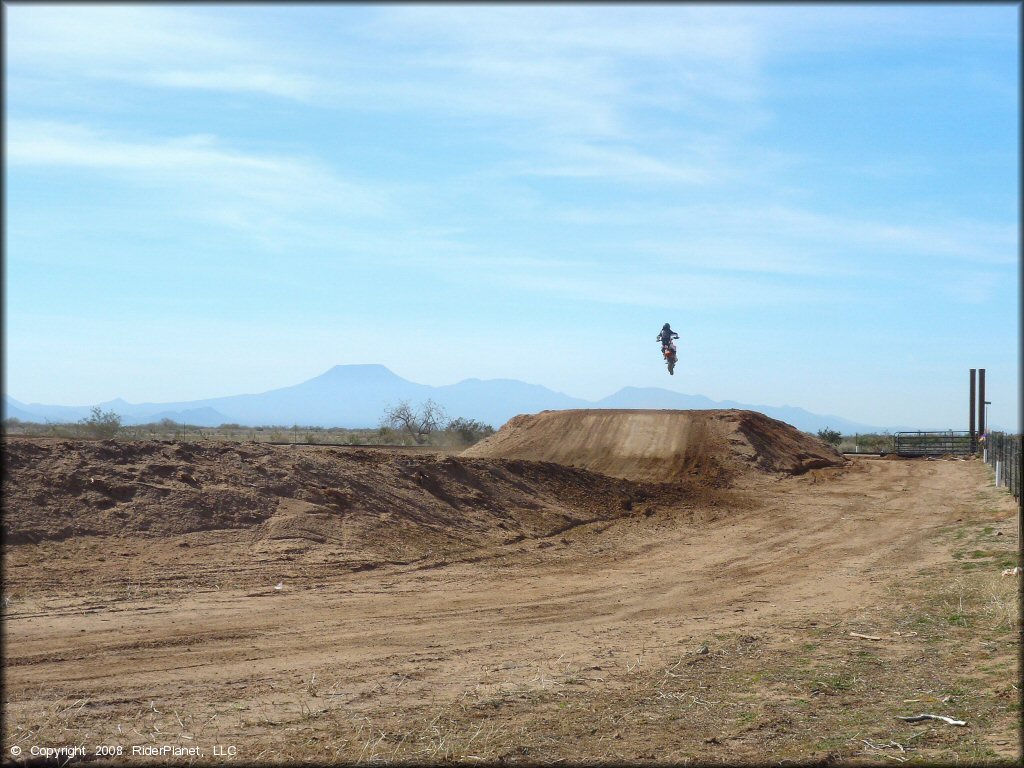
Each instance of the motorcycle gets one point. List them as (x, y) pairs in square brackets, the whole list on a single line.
[(668, 351)]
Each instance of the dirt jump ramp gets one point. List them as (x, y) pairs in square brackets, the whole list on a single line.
[(712, 446)]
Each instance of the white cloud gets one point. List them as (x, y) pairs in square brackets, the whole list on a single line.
[(210, 180), (645, 32), (624, 163), (43, 34), (667, 289), (570, 88), (947, 238), (784, 30), (662, 96), (815, 241), (744, 252), (254, 79), (566, 71), (147, 45)]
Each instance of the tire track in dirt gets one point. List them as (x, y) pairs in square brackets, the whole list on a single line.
[(407, 579), (643, 586)]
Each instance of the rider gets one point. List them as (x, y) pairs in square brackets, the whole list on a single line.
[(666, 336)]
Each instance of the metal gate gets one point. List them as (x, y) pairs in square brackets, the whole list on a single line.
[(933, 444)]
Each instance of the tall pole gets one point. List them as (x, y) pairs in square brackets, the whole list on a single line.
[(981, 401), (974, 441)]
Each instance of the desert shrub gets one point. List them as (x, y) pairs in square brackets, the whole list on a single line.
[(882, 442), (469, 431), (830, 436), (867, 443), (102, 424)]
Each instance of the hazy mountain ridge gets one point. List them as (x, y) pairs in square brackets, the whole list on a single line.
[(358, 395)]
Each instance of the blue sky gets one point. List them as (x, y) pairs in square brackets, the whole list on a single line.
[(822, 200)]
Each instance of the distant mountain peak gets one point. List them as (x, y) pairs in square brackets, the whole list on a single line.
[(357, 396), (632, 389), (362, 371)]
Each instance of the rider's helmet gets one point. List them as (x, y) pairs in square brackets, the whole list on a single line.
[(665, 327)]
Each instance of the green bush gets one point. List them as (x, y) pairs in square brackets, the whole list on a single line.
[(469, 430), (830, 436), (101, 424)]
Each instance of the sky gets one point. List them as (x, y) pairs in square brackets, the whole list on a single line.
[(823, 200)]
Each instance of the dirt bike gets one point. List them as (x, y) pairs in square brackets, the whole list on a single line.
[(668, 351)]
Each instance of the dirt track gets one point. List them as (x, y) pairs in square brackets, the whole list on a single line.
[(180, 636), (712, 447)]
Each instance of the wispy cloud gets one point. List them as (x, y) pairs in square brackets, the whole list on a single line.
[(571, 91), (830, 28), (945, 238), (569, 71), (163, 46), (241, 78), (582, 160), (814, 242), (667, 289), (207, 178)]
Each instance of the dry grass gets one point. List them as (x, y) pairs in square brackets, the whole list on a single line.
[(798, 692)]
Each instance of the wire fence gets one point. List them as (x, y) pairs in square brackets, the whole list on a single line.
[(1002, 451)]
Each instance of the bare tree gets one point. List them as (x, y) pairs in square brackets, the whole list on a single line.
[(418, 423)]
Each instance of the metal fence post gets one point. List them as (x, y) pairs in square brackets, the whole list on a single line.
[(972, 414), (1017, 459)]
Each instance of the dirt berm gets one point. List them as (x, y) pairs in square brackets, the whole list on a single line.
[(715, 447), (353, 508)]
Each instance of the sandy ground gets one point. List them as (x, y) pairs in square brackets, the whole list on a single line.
[(714, 447), (224, 639)]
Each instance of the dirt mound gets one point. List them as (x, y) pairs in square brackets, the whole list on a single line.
[(366, 506), (710, 446)]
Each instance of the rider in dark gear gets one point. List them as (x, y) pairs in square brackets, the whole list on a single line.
[(666, 336)]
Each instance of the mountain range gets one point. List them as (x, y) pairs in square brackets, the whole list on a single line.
[(357, 396)]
